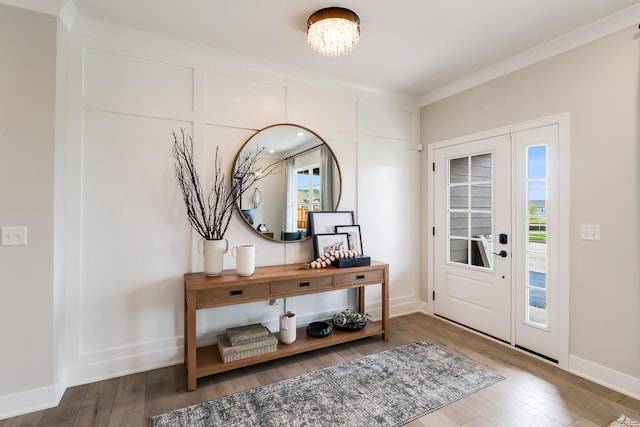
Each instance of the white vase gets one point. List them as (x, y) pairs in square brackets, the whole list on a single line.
[(288, 328), (245, 256), (213, 252)]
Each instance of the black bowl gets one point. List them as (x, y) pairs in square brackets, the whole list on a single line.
[(319, 329)]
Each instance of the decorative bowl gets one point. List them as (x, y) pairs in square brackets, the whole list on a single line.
[(349, 320), (319, 329), (351, 327)]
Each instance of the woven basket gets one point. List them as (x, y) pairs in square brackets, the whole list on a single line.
[(230, 353)]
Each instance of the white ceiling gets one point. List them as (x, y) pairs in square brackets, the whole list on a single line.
[(409, 46)]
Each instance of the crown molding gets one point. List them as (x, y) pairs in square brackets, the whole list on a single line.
[(50, 7), (69, 15), (609, 25)]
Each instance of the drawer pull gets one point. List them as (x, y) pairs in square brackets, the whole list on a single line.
[(233, 293), (360, 277), (304, 284)]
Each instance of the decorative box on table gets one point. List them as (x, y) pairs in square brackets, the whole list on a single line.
[(359, 261), (247, 334), (246, 341)]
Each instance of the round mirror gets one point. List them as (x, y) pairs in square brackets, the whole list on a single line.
[(303, 176)]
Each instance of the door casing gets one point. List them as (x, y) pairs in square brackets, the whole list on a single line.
[(562, 120)]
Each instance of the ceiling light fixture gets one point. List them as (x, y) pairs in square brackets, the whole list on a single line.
[(333, 31)]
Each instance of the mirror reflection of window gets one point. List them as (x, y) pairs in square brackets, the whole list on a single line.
[(308, 194)]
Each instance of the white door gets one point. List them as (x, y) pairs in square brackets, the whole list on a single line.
[(496, 237), (472, 208)]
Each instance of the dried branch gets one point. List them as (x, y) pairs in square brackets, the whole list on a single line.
[(211, 217)]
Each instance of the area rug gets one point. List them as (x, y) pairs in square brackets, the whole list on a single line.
[(390, 388), (625, 421)]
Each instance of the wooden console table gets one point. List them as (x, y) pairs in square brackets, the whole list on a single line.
[(268, 283)]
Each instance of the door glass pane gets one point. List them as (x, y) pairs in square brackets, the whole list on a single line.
[(459, 196), (538, 232), (459, 250), (470, 210), (536, 246), (481, 167), (481, 197), (459, 224), (480, 224), (537, 162), (459, 170)]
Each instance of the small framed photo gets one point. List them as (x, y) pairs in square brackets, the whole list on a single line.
[(330, 242), (324, 222), (354, 238)]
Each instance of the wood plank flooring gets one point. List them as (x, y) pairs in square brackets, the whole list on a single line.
[(534, 393)]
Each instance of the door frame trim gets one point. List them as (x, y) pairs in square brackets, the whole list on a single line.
[(563, 122)]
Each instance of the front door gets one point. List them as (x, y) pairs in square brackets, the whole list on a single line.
[(496, 237), (472, 235)]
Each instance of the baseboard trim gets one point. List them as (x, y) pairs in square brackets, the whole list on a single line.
[(25, 402), (618, 381), (111, 368)]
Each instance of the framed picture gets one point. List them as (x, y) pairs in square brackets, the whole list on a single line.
[(330, 242), (324, 222), (354, 238)]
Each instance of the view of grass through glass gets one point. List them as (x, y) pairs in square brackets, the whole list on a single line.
[(536, 257)]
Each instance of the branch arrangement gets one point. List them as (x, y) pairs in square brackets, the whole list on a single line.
[(210, 215)]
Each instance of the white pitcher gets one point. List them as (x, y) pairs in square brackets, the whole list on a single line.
[(287, 328), (245, 256)]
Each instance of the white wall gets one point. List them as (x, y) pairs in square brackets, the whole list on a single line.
[(597, 84), (27, 135), (125, 309), (127, 239)]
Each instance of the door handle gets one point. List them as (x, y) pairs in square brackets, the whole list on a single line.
[(502, 254)]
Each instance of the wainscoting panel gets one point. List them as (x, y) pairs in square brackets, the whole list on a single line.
[(118, 82), (240, 102), (330, 115), (135, 236), (389, 122), (388, 179)]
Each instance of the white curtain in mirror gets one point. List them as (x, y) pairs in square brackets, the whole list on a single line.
[(326, 179), (290, 196)]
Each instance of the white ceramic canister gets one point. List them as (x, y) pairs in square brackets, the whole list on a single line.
[(287, 328), (245, 256)]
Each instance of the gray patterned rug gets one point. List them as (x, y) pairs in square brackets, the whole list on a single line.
[(390, 388)]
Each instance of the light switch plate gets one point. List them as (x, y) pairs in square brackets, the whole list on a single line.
[(13, 235), (589, 232)]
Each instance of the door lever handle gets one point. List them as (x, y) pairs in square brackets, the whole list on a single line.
[(503, 254)]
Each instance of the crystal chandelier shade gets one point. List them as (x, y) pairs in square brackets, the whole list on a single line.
[(333, 31)]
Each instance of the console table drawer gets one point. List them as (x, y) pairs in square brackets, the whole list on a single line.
[(225, 295), (347, 279), (284, 287)]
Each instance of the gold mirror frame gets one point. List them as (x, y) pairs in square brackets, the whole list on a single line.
[(288, 141)]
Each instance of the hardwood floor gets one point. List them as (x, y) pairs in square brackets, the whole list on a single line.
[(534, 393)]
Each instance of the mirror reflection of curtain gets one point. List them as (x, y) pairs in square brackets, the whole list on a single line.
[(326, 179), (290, 196)]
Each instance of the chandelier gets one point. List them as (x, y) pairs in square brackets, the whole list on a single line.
[(333, 31)]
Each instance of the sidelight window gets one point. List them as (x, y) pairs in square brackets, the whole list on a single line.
[(536, 279)]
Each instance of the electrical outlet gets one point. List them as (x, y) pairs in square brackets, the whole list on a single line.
[(13, 235)]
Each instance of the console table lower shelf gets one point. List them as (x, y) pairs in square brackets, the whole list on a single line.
[(210, 362), (272, 282)]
